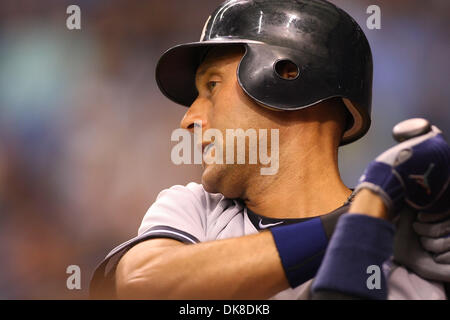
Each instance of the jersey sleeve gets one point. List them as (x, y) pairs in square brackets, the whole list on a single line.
[(178, 213)]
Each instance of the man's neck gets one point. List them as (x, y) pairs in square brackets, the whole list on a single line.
[(307, 186)]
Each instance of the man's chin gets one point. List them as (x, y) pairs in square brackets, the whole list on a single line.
[(219, 179), (210, 179)]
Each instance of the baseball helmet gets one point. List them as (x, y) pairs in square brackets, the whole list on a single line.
[(328, 48)]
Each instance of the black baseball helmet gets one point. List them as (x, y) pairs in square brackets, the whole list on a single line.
[(328, 48)]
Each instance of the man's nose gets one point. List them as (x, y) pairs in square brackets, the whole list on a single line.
[(196, 115)]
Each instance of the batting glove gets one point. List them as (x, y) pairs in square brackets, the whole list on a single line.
[(434, 233), (416, 171), (422, 244)]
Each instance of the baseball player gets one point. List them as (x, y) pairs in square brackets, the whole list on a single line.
[(303, 68)]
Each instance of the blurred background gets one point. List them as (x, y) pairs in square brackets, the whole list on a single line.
[(85, 133)]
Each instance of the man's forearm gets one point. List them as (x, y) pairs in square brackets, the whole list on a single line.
[(248, 267)]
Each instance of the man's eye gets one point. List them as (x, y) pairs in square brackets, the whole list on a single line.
[(211, 85)]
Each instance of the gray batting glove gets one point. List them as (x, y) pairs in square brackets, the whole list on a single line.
[(434, 235), (421, 244)]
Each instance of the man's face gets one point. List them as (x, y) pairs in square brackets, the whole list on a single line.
[(222, 104)]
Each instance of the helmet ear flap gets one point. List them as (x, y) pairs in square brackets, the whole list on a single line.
[(282, 78)]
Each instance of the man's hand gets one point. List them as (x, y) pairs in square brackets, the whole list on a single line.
[(422, 241), (422, 244), (416, 171), (434, 233)]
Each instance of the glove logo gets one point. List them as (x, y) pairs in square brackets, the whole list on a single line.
[(422, 180)]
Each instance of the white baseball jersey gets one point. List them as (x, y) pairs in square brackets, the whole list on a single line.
[(191, 215)]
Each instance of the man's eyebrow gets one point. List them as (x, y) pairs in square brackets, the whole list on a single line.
[(203, 71)]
